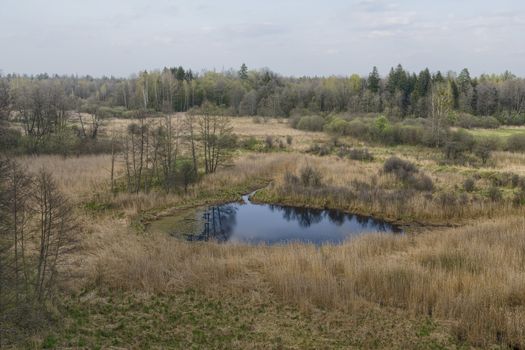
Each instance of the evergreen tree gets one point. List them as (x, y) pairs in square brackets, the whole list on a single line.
[(464, 80), (243, 72), (423, 83), (438, 78), (180, 74), (373, 81)]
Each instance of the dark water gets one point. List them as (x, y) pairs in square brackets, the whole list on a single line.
[(272, 224)]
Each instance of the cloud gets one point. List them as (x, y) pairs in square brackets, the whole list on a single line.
[(378, 18), (254, 30)]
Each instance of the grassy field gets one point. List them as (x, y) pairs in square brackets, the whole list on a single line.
[(455, 280), (501, 133)]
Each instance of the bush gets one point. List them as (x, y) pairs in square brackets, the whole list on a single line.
[(249, 143), (9, 138), (512, 119), (360, 154), (469, 185), (469, 121), (457, 144), (483, 149), (320, 150), (310, 177), (421, 183), (408, 173), (516, 143), (338, 126), (403, 134), (494, 194), (311, 123), (399, 167), (269, 142)]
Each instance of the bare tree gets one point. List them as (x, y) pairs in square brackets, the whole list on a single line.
[(55, 226), (215, 136), (168, 150), (189, 126), (441, 105)]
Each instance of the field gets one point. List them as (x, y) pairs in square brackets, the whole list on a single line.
[(499, 133), (456, 279)]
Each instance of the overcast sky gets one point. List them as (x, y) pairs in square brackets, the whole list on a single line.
[(292, 37)]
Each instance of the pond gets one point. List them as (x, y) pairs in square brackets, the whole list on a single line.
[(247, 222)]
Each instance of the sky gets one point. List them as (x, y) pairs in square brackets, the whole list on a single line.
[(291, 37)]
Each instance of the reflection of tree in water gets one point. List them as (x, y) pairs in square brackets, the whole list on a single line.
[(304, 216), (337, 217), (219, 222)]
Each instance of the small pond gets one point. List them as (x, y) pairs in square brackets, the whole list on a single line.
[(247, 222)]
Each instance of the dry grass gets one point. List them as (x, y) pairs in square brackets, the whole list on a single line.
[(473, 277), (360, 187), (245, 127), (77, 177), (278, 129), (510, 162)]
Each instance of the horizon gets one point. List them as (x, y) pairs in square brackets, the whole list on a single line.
[(383, 75), (293, 38)]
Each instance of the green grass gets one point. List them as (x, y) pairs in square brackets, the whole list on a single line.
[(500, 133), (191, 320)]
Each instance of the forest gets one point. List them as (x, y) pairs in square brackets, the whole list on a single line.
[(399, 93)]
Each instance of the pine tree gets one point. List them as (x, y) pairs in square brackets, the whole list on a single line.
[(373, 80), (243, 72)]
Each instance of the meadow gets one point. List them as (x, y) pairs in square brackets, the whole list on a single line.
[(456, 279), (499, 133)]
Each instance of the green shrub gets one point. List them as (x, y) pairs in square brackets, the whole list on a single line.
[(469, 121), (250, 143), (338, 126), (311, 123)]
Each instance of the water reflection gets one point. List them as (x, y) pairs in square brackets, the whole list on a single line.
[(219, 224), (274, 224)]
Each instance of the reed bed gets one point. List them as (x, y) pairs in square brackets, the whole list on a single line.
[(473, 277)]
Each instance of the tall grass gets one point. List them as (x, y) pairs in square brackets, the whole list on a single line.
[(473, 277), (366, 189), (77, 177)]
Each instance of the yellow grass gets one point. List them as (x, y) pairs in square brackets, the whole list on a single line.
[(244, 127), (473, 277), (78, 177)]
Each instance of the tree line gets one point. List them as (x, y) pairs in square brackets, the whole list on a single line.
[(399, 93)]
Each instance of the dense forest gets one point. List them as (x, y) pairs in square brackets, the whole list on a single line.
[(263, 92)]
